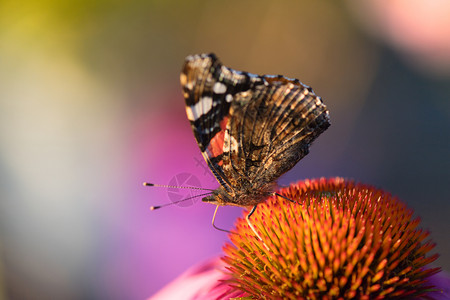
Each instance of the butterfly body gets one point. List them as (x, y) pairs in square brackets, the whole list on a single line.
[(251, 129)]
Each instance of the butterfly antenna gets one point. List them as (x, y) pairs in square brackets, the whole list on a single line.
[(175, 186), (176, 202)]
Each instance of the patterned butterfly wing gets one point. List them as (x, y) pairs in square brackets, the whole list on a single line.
[(209, 88), (251, 129), (274, 124)]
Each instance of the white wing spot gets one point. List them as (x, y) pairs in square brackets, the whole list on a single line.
[(219, 88), (228, 98), (234, 144), (226, 141), (200, 108), (189, 85)]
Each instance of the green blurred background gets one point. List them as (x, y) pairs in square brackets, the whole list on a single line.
[(90, 106)]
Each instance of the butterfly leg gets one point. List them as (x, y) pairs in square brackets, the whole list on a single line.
[(252, 227), (279, 195), (214, 218)]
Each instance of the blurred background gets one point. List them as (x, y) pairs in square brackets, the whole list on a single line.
[(91, 106)]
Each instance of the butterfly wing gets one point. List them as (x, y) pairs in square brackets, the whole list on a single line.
[(209, 89), (275, 128), (250, 128)]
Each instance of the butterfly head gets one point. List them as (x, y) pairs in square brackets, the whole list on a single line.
[(219, 197), (244, 198)]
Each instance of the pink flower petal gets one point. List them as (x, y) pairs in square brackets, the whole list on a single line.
[(203, 281), (441, 281)]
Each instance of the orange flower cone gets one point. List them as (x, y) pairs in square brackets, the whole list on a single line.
[(339, 240)]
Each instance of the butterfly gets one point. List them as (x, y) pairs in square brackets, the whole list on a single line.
[(250, 128)]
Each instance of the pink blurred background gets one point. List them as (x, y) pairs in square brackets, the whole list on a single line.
[(91, 106)]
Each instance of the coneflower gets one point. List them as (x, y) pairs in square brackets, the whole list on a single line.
[(337, 240)]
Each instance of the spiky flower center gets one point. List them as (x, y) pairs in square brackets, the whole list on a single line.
[(339, 240)]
